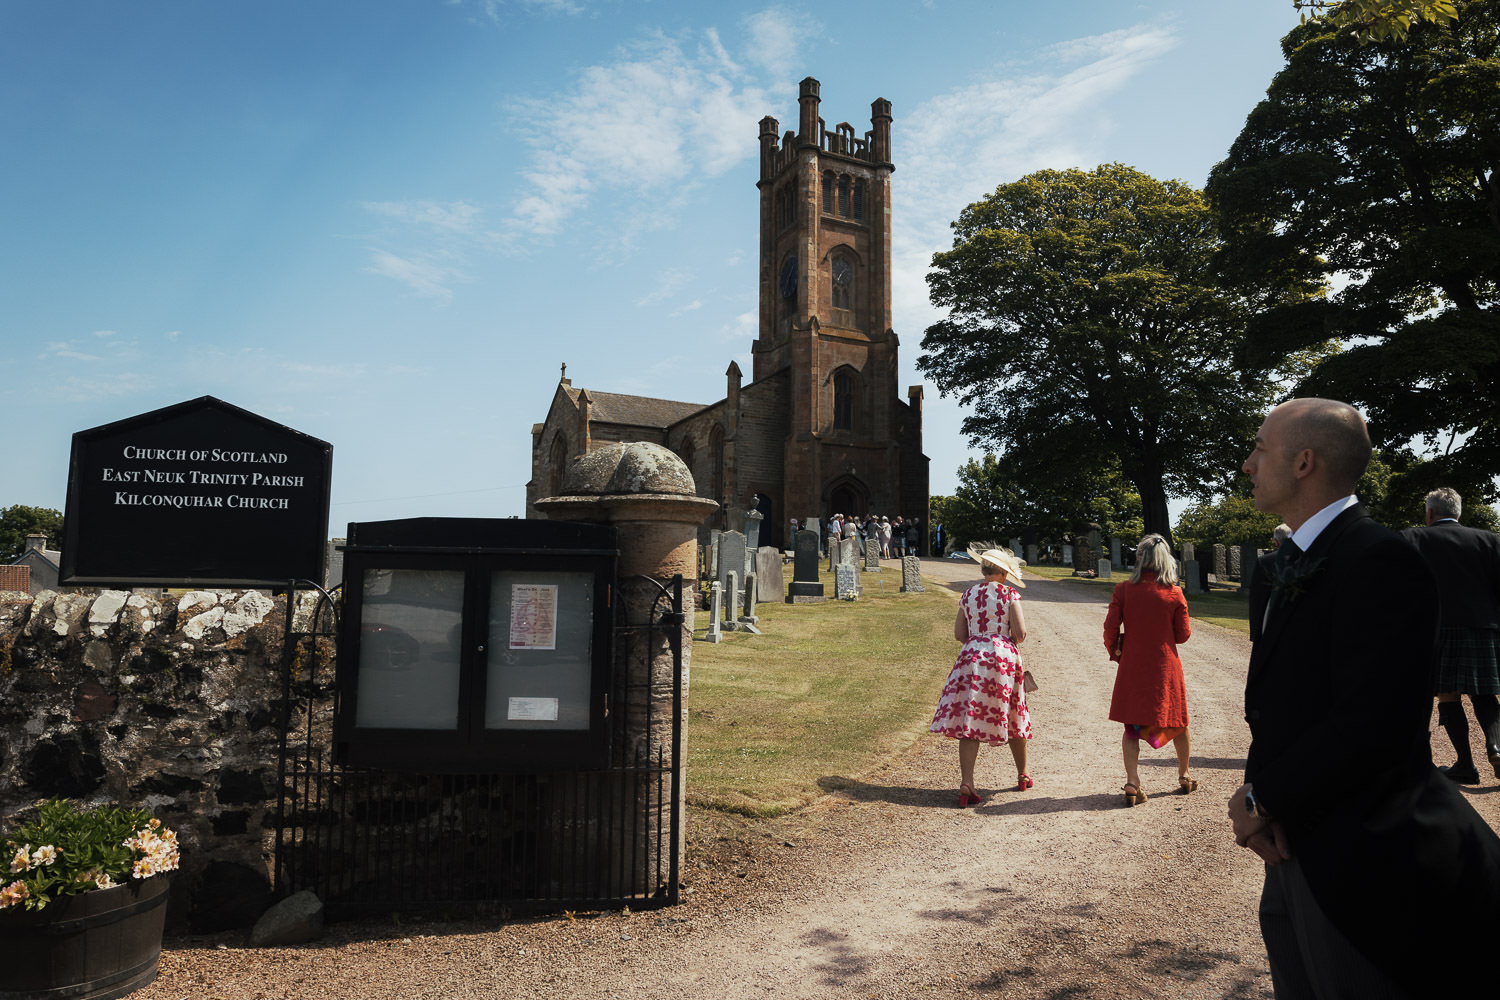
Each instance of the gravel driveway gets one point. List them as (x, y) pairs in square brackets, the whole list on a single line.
[(883, 888)]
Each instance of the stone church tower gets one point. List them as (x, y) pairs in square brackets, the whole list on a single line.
[(821, 428)]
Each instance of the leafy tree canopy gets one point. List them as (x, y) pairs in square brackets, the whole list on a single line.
[(1376, 167), (1230, 520), (1378, 20), (1086, 328), (994, 503), (19, 521)]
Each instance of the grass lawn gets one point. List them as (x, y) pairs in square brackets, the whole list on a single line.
[(828, 691), (831, 690)]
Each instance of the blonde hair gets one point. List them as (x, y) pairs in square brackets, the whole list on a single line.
[(1154, 555)]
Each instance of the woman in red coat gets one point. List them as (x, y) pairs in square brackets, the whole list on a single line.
[(1148, 618)]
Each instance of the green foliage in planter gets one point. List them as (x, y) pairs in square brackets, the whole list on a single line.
[(66, 850)]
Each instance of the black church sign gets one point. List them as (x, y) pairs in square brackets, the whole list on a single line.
[(198, 494)]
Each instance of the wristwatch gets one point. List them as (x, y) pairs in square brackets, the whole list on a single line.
[(1252, 808)]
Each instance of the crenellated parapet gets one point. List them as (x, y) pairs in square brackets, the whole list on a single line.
[(777, 155)]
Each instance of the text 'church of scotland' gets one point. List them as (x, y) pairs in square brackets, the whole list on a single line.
[(821, 428)]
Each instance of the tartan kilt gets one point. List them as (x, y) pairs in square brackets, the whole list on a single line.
[(1468, 661)]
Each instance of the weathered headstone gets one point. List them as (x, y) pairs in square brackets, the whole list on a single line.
[(1192, 577), (911, 575), (872, 556), (1067, 555), (752, 528), (1187, 552), (1248, 556), (1015, 547), (848, 550), (805, 587), (713, 553), (1031, 554), (1114, 554), (715, 611), (1233, 556), (732, 591), (1103, 571), (1221, 562), (731, 559), (768, 582), (748, 616), (846, 581)]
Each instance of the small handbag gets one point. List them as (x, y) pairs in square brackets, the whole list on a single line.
[(1119, 646), (1028, 683)]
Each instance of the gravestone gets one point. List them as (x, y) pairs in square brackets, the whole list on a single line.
[(1248, 555), (848, 550), (805, 587), (1067, 555), (752, 528), (731, 560), (732, 590), (846, 582), (911, 575), (713, 553), (811, 524), (715, 611), (768, 582), (1015, 547), (872, 556), (748, 619), (1233, 555), (1114, 554), (1031, 554), (1192, 577), (1221, 562), (1187, 552), (1104, 569)]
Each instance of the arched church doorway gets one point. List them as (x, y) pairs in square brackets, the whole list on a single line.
[(848, 496)]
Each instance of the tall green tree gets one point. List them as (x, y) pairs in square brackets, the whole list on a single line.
[(1378, 20), (1376, 167), (1086, 328), (18, 521)]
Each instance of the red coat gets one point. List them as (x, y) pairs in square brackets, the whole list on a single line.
[(1148, 686)]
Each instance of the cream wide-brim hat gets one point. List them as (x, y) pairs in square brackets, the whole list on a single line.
[(1003, 559)]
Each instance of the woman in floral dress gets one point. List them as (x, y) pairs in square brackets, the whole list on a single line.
[(984, 700)]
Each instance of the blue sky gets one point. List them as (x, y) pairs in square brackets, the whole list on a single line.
[(386, 223)]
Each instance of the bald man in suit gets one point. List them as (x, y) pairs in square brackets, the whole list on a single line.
[(1376, 869)]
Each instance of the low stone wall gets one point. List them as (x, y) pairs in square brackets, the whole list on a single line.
[(170, 703)]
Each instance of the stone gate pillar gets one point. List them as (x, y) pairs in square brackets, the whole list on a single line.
[(647, 493)]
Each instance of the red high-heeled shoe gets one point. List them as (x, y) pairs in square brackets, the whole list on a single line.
[(1024, 782), (968, 797)]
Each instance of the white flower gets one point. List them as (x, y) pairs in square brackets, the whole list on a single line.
[(13, 894), (44, 855), (22, 861)]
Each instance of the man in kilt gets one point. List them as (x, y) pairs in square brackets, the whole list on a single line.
[(1466, 562)]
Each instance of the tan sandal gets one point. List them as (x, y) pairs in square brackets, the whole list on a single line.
[(1133, 795), (1186, 785)]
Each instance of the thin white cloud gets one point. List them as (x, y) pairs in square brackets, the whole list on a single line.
[(692, 306), (65, 349), (774, 37), (104, 333), (666, 111), (437, 216), (668, 283), (172, 334), (956, 148), (422, 276)]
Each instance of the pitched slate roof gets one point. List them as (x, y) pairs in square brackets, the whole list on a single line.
[(638, 411)]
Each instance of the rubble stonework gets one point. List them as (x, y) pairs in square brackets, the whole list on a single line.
[(170, 703)]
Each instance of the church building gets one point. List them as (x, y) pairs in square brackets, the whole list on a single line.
[(820, 428)]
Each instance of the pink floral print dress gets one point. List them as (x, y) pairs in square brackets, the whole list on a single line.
[(984, 698)]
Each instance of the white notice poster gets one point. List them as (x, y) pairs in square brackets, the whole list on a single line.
[(533, 616), (532, 709)]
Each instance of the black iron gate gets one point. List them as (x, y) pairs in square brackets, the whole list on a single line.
[(371, 840)]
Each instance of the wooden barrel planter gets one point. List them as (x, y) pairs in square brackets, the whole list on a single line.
[(93, 946)]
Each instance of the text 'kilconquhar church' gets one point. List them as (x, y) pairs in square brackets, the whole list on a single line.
[(821, 427)]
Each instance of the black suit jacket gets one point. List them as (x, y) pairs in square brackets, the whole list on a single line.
[(1260, 592), (1466, 562), (1338, 707)]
